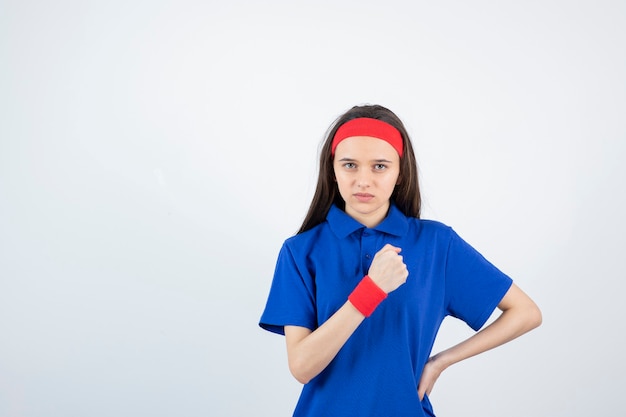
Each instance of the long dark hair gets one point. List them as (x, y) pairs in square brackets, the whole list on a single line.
[(406, 195)]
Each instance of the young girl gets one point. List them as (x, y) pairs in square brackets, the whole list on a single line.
[(361, 290)]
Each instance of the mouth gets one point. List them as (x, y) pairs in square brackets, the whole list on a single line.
[(363, 197)]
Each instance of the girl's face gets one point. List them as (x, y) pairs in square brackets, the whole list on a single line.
[(367, 170)]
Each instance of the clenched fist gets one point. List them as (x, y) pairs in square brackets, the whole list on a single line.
[(388, 270)]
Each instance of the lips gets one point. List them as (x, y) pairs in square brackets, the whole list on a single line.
[(363, 197)]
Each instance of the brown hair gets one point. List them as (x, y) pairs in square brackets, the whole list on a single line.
[(406, 195)]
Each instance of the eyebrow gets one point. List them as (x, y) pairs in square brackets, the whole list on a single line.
[(374, 160)]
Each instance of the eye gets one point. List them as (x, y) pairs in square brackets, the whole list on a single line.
[(380, 167), (349, 165)]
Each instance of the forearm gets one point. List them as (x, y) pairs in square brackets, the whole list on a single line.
[(311, 352), (520, 315), (504, 329)]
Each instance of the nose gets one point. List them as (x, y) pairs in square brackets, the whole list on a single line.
[(363, 180)]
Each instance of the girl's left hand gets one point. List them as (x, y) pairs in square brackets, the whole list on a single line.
[(430, 374)]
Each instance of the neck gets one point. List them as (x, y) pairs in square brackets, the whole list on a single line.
[(369, 219)]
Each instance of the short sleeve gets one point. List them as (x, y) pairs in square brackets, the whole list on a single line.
[(291, 300), (474, 287)]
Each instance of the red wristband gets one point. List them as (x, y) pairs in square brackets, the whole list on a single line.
[(366, 296)]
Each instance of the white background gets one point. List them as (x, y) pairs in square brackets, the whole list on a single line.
[(155, 154)]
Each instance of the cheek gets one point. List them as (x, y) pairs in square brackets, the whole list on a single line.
[(392, 181), (343, 181)]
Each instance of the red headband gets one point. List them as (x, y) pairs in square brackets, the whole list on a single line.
[(364, 126)]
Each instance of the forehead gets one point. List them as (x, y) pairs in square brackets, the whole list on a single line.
[(365, 147)]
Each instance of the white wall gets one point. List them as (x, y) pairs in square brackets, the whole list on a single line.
[(155, 154)]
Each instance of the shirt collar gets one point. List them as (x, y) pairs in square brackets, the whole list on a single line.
[(343, 225)]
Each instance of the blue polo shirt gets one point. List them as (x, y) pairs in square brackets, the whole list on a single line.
[(377, 371)]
